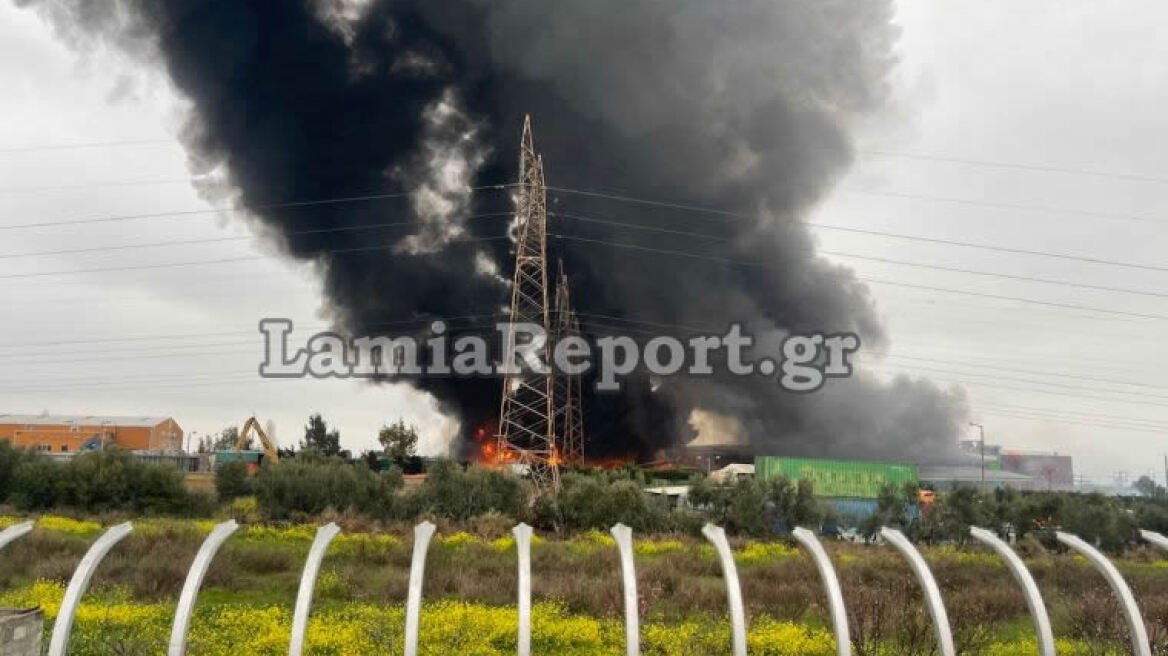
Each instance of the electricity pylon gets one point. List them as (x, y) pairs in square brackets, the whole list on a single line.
[(569, 408), (527, 418)]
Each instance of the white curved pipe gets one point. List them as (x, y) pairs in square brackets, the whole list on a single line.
[(717, 536), (1135, 623), (14, 532), (1030, 590), (324, 535), (932, 593), (1155, 538), (624, 544), (190, 591), (835, 597), (63, 626), (422, 534), (522, 534)]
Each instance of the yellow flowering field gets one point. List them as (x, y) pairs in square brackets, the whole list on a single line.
[(108, 622)]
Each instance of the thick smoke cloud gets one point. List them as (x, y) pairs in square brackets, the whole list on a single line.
[(741, 105)]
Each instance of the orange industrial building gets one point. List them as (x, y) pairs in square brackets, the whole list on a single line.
[(72, 433)]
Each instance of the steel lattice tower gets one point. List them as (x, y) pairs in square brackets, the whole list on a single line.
[(569, 408), (527, 418)]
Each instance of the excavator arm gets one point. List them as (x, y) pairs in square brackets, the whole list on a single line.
[(251, 424)]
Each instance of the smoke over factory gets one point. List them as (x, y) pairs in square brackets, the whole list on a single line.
[(693, 105)]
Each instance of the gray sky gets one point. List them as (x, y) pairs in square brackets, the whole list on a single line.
[(1049, 85)]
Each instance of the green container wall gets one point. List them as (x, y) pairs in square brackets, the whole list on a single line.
[(837, 478)]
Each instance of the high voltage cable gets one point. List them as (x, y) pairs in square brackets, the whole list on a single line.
[(879, 233), (78, 146), (925, 157), (1073, 422), (680, 206), (97, 185), (928, 157), (1086, 415), (587, 219), (1032, 381), (1000, 205), (762, 265), (379, 324), (211, 240), (922, 265), (257, 208), (1093, 379), (993, 274), (947, 375), (170, 265)]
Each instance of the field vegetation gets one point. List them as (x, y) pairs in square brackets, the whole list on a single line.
[(470, 589)]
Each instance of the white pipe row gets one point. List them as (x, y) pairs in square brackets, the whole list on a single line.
[(424, 532)]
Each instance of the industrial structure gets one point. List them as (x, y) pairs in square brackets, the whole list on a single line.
[(69, 434), (540, 416)]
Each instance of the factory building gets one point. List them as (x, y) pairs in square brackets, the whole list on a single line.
[(68, 434)]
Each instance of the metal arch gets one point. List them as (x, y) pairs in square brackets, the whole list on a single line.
[(932, 593), (15, 531), (1135, 623), (422, 534), (63, 626), (522, 533), (624, 544), (717, 536), (835, 597), (190, 591), (324, 535), (1030, 590), (1151, 536)]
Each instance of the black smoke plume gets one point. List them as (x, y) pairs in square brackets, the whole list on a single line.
[(740, 105)]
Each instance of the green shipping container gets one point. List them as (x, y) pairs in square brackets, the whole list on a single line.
[(851, 479)]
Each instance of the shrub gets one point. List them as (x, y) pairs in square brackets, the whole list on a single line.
[(454, 493), (232, 481), (102, 481), (301, 487), (593, 502)]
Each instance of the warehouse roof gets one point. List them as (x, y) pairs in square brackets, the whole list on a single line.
[(80, 420)]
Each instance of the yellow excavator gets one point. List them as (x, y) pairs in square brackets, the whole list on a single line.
[(270, 451)]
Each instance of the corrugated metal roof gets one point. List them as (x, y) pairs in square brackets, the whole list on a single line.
[(81, 420)]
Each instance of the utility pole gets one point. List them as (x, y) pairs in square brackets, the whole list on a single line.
[(527, 416), (981, 431), (568, 391)]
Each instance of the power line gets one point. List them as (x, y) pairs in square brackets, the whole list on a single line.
[(97, 185), (96, 144), (257, 208), (988, 247), (879, 233), (1094, 379), (587, 219), (1038, 382), (925, 157), (947, 375), (1072, 413), (762, 265), (230, 260), (212, 240), (139, 338), (993, 274), (1075, 422), (1002, 206)]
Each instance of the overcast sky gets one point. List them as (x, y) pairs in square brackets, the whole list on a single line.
[(1054, 89)]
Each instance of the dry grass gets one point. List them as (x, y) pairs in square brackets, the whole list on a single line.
[(884, 601)]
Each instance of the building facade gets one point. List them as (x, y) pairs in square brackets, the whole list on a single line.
[(73, 433)]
